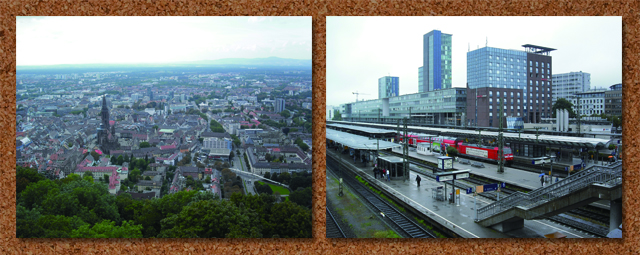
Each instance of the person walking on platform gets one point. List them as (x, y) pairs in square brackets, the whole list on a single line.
[(542, 180), (388, 179), (418, 179), (375, 172)]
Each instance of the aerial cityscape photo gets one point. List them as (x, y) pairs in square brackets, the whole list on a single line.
[(168, 127), (474, 127)]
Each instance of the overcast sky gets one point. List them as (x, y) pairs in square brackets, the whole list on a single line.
[(362, 49), (97, 40)]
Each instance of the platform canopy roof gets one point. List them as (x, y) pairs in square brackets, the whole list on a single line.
[(369, 130), (358, 142), (582, 142)]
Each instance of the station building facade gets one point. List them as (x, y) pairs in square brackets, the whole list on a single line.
[(440, 107)]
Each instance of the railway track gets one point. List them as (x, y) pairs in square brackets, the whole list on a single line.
[(569, 218), (333, 228), (408, 227)]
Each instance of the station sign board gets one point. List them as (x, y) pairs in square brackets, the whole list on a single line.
[(444, 178), (539, 161), (454, 175), (469, 190), (490, 187)]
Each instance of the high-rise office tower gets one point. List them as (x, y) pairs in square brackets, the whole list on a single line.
[(521, 78), (388, 86), (436, 61)]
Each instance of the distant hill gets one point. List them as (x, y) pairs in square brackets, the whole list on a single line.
[(270, 61)]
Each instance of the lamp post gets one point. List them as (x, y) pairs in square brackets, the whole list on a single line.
[(551, 157)]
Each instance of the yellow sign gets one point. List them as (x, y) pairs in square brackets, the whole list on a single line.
[(570, 168), (479, 189), (458, 192)]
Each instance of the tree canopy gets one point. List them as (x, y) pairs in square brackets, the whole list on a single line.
[(77, 207), (564, 104)]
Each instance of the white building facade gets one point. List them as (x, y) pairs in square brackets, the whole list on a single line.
[(566, 85)]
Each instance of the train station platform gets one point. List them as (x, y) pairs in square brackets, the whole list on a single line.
[(458, 218), (512, 176)]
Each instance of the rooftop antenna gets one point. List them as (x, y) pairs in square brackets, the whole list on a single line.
[(469, 47), (487, 43)]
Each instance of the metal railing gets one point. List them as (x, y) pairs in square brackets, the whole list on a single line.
[(610, 175)]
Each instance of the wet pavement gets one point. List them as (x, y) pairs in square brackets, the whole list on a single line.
[(460, 217)]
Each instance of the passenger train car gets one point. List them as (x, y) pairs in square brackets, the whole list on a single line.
[(473, 151)]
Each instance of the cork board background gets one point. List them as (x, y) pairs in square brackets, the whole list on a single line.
[(629, 10)]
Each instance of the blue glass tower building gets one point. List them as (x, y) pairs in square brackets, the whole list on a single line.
[(436, 69)]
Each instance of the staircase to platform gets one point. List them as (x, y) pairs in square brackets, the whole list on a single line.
[(585, 187)]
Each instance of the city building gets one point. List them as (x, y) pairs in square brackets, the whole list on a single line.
[(613, 100), (150, 93), (565, 85), (591, 102), (279, 105), (216, 143), (436, 62), (523, 78), (440, 107), (388, 86), (135, 97)]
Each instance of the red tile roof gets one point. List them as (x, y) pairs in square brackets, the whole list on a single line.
[(167, 147)]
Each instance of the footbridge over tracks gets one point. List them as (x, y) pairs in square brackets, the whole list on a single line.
[(587, 186), (257, 176)]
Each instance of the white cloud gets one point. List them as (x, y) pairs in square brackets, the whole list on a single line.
[(77, 40)]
